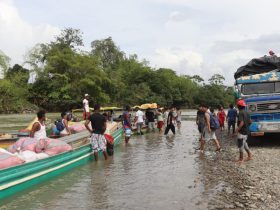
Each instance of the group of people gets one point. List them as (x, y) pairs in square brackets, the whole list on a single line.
[(209, 123), (153, 118)]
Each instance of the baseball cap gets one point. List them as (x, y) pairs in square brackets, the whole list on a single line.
[(241, 103), (86, 95)]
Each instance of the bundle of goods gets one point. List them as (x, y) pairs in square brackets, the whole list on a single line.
[(77, 127), (23, 144), (8, 160), (52, 146), (29, 156), (110, 144)]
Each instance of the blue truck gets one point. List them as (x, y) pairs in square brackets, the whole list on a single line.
[(261, 93)]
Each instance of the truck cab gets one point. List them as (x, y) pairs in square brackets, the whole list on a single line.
[(261, 93)]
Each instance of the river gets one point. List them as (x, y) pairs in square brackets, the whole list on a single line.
[(151, 172)]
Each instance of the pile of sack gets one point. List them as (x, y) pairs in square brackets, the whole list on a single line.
[(30, 149), (77, 127)]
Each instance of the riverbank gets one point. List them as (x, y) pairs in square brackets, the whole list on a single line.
[(251, 185)]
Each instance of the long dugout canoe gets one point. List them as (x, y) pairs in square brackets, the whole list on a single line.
[(21, 177)]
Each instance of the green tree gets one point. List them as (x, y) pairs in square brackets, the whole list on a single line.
[(108, 53), (18, 75), (217, 79)]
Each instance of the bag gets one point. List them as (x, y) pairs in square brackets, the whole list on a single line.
[(110, 144), (23, 144), (8, 160), (214, 122), (110, 149), (59, 125), (52, 146)]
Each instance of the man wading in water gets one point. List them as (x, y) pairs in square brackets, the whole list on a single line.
[(170, 120), (98, 124), (242, 131)]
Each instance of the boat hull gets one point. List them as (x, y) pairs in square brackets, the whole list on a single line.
[(19, 178)]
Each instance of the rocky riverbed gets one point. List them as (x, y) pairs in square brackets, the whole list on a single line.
[(254, 184)]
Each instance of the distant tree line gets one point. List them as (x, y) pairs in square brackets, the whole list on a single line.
[(62, 73)]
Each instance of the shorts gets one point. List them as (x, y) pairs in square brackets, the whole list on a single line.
[(200, 127), (86, 115), (55, 131), (127, 132), (139, 126), (151, 125), (242, 142), (160, 124), (208, 135), (98, 142)]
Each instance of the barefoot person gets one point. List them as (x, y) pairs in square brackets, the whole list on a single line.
[(242, 131), (208, 132), (98, 124), (38, 130)]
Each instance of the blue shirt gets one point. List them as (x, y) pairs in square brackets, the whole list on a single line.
[(126, 119), (232, 114)]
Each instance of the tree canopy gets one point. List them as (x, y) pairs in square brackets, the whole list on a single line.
[(64, 73)]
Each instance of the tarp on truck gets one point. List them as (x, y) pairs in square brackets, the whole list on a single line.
[(258, 66)]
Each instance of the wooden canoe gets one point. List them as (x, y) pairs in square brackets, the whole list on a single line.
[(21, 177)]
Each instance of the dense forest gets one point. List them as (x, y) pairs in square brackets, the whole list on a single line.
[(56, 75)]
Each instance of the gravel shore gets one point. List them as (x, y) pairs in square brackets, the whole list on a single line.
[(254, 184)]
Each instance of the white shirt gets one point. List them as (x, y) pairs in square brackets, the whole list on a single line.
[(85, 105), (139, 114), (41, 134)]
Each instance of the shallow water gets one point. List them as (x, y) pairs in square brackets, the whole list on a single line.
[(11, 123), (151, 172)]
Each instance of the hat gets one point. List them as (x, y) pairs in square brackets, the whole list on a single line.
[(241, 103), (86, 95)]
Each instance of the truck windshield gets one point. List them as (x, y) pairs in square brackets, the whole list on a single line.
[(261, 88)]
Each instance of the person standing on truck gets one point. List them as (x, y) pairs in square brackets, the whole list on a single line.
[(242, 131), (271, 53)]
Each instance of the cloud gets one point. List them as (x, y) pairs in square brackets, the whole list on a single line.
[(183, 61), (177, 16), (189, 36), (18, 36)]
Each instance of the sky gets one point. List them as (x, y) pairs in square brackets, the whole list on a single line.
[(201, 37)]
